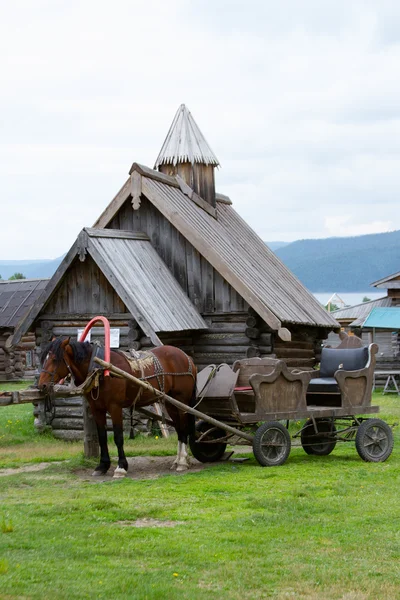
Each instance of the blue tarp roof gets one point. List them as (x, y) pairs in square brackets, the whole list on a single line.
[(383, 318)]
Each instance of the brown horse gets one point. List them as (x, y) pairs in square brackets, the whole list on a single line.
[(166, 368)]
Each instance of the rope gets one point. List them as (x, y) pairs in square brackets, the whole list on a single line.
[(202, 393)]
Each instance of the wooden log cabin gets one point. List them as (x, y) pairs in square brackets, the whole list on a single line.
[(169, 261), (16, 298)]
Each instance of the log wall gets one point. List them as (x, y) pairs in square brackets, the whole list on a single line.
[(227, 340), (388, 342), (13, 362), (65, 417), (302, 352)]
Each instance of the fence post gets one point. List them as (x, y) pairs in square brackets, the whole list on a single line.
[(91, 440)]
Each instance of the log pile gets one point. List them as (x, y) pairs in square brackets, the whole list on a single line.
[(65, 416), (13, 363)]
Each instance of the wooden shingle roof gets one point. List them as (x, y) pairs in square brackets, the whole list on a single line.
[(356, 315), (231, 247), (138, 275), (16, 298)]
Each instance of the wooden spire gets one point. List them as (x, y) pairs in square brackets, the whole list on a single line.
[(185, 152)]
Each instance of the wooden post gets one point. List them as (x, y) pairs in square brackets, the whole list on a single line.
[(91, 440)]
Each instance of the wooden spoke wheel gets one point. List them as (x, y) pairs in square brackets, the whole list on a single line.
[(319, 443), (207, 450), (374, 440), (271, 444)]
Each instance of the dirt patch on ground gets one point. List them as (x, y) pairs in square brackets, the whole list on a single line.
[(140, 467), (27, 469), (148, 522), (145, 467)]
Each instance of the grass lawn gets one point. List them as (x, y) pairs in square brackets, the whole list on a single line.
[(316, 527)]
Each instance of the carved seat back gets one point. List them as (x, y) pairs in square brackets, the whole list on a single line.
[(250, 366)]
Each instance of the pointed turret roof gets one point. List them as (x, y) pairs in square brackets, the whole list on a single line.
[(185, 142)]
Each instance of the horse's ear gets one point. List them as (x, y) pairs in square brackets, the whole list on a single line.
[(65, 344)]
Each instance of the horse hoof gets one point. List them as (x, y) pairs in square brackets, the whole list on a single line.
[(120, 473), (180, 468), (99, 473)]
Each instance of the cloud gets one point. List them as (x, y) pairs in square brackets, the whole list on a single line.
[(348, 225), (299, 101)]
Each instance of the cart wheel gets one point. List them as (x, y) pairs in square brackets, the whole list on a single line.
[(316, 444), (374, 440), (271, 444), (207, 451)]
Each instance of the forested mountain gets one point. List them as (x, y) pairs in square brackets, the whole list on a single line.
[(275, 245), (31, 269), (346, 264)]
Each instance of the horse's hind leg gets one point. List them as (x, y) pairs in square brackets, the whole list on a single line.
[(180, 420), (104, 464), (116, 417)]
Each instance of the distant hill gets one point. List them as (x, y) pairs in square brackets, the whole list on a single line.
[(275, 245), (32, 269), (346, 264)]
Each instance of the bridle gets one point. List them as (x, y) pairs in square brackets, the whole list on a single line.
[(53, 373)]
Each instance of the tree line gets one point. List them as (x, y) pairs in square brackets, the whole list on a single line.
[(15, 276)]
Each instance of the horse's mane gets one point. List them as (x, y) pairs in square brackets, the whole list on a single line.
[(81, 350)]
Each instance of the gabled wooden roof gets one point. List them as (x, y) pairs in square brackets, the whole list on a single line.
[(358, 313), (139, 276), (16, 298), (230, 246), (389, 282)]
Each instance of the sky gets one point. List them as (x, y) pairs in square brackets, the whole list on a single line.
[(299, 100)]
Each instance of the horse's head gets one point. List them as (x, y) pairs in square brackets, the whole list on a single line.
[(60, 358)]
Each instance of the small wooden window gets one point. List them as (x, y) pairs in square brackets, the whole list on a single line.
[(29, 359)]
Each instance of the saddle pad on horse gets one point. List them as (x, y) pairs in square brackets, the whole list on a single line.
[(139, 359)]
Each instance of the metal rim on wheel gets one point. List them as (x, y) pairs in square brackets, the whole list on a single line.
[(374, 440), (271, 444)]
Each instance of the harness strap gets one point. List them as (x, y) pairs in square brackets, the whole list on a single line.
[(205, 387), (140, 391)]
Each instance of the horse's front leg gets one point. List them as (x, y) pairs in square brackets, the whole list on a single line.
[(116, 417), (101, 424)]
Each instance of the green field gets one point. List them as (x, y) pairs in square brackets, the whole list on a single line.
[(316, 527)]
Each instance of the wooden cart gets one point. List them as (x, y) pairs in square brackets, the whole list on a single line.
[(261, 396)]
